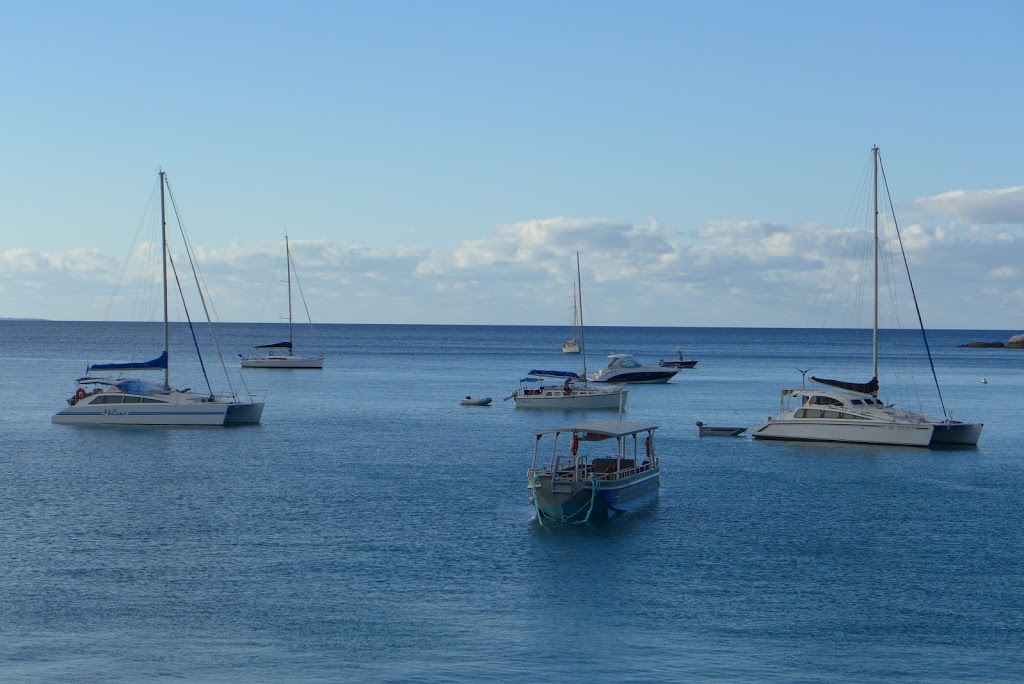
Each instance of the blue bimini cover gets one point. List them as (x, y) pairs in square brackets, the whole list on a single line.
[(134, 386)]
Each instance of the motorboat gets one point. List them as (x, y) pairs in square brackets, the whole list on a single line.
[(118, 400), (678, 362), (475, 401), (843, 411), (593, 469), (282, 354), (625, 368)]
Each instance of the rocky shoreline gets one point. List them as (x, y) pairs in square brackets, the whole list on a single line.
[(1015, 342)]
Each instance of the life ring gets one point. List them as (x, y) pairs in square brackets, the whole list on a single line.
[(79, 394)]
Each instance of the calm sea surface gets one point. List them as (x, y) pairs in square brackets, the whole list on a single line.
[(372, 529)]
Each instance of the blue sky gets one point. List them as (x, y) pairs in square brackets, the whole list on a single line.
[(442, 162)]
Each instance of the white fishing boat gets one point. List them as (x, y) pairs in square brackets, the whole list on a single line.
[(593, 469), (842, 411), (117, 399), (572, 344), (625, 368), (282, 354), (567, 389)]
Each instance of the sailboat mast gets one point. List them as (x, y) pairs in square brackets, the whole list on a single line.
[(875, 327), (583, 341), (288, 258), (163, 247)]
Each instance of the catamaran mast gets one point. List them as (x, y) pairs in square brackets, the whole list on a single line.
[(874, 329), (163, 241)]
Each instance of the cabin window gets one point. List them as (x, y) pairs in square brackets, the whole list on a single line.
[(107, 400), (832, 414), (133, 400), (147, 400), (856, 402)]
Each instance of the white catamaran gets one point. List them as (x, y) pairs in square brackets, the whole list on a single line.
[(281, 354), (840, 411), (119, 400)]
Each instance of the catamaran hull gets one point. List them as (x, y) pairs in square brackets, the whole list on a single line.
[(963, 434), (244, 413), (582, 504), (283, 362), (895, 434), (190, 414), (144, 414)]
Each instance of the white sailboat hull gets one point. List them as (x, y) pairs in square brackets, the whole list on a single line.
[(578, 398), (283, 362)]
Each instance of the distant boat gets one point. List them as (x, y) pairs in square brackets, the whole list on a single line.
[(471, 401), (678, 362), (592, 476), (713, 431), (281, 354), (118, 400), (984, 381), (572, 344), (845, 411)]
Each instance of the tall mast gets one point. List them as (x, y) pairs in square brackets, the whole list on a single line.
[(288, 258), (583, 342), (163, 247), (874, 330)]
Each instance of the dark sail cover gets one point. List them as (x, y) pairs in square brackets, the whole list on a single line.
[(278, 345), (159, 363), (870, 387)]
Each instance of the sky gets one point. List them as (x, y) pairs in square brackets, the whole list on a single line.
[(443, 162)]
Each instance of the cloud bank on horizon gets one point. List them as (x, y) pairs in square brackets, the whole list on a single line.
[(965, 249)]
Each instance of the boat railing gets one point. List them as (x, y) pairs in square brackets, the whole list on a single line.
[(623, 473)]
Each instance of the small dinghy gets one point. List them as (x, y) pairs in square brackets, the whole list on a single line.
[(470, 401), (712, 431)]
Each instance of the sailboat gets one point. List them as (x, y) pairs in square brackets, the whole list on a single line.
[(281, 354), (566, 393), (572, 344), (118, 400), (842, 411)]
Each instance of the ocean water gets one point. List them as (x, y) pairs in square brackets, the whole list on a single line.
[(374, 530)]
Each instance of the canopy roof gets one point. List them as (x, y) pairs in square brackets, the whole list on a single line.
[(612, 428), (557, 374)]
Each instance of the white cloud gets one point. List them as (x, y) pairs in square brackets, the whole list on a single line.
[(985, 207), (726, 272)]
